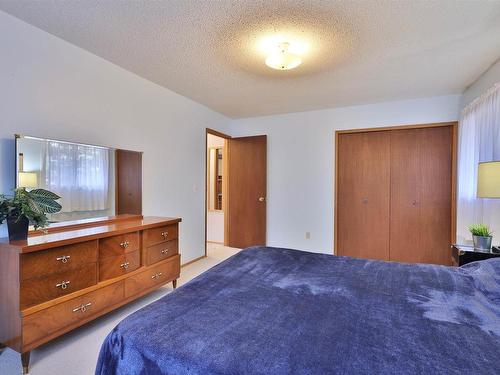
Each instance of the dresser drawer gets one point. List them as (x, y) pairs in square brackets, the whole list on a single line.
[(59, 259), (111, 267), (118, 245), (38, 290), (161, 251), (161, 234), (46, 322), (153, 276)]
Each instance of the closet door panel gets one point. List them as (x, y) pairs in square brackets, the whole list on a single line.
[(363, 195), (421, 175)]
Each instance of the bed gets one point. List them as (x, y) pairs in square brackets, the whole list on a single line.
[(281, 311)]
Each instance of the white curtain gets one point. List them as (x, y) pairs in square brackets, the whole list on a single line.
[(479, 140), (79, 174)]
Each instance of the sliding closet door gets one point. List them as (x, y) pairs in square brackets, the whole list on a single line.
[(421, 193), (363, 182)]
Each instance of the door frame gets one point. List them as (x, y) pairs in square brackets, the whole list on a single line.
[(454, 143), (225, 155)]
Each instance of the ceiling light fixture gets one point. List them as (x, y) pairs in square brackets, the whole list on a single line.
[(282, 59)]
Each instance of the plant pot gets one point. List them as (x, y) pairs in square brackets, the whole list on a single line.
[(482, 243), (18, 229)]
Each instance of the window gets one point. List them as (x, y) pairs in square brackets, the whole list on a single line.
[(479, 141)]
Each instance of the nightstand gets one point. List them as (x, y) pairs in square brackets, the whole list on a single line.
[(463, 254)]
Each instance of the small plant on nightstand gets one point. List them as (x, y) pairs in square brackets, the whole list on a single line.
[(481, 235)]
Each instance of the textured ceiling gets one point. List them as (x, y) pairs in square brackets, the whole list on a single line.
[(360, 51)]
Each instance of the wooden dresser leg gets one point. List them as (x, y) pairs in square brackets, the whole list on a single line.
[(25, 360), (174, 283)]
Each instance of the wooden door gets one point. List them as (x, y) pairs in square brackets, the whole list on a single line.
[(363, 184), (246, 198), (421, 194), (128, 198)]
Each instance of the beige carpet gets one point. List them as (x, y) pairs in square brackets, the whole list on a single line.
[(76, 352)]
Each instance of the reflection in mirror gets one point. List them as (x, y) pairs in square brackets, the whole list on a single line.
[(218, 179), (215, 176), (83, 175)]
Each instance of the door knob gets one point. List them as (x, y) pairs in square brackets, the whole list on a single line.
[(262, 199)]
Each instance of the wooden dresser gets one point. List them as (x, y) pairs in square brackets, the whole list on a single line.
[(53, 283)]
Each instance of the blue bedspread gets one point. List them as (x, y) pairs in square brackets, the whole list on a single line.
[(279, 311)]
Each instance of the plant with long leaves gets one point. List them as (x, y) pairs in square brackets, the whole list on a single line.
[(480, 230), (34, 205)]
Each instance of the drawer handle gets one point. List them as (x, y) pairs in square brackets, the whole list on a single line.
[(164, 252), (64, 258), (125, 265), (157, 275), (82, 307), (63, 285), (125, 244), (164, 234)]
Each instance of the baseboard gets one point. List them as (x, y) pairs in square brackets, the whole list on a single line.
[(192, 261)]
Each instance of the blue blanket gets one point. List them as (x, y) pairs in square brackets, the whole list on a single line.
[(279, 311)]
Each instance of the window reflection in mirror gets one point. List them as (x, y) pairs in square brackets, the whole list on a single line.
[(82, 175)]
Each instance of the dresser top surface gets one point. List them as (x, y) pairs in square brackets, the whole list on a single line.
[(47, 241)]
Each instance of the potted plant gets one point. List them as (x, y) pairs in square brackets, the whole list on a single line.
[(25, 207), (481, 236)]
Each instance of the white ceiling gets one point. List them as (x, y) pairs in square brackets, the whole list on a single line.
[(361, 51)]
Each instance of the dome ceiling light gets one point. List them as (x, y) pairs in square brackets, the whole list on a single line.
[(282, 59)]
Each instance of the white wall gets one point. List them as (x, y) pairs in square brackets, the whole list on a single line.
[(215, 226), (301, 164), (50, 88), (482, 84)]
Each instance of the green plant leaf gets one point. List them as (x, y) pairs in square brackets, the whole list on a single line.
[(42, 193), (48, 206), (480, 230), (33, 205)]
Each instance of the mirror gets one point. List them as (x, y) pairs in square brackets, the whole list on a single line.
[(82, 175)]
